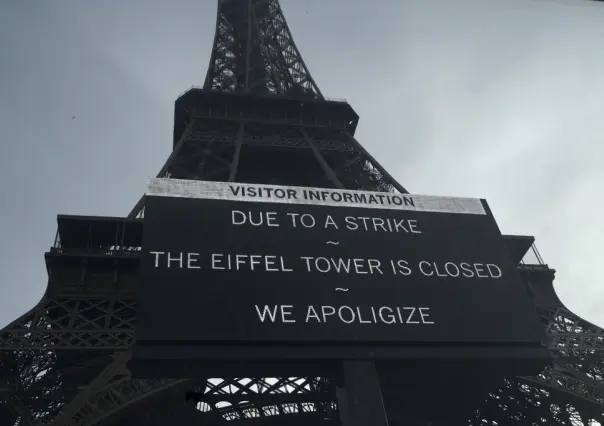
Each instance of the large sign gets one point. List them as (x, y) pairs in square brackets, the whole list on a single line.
[(230, 262)]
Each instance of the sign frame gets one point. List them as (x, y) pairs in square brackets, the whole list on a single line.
[(221, 192)]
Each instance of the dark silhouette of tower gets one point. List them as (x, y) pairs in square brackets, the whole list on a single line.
[(259, 118)]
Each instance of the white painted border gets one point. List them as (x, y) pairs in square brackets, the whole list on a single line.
[(222, 191)]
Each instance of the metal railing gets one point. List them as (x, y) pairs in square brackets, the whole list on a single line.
[(532, 257), (102, 251), (201, 88)]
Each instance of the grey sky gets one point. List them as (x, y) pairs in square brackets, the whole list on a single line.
[(496, 99)]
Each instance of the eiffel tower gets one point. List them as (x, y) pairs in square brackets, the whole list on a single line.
[(259, 118)]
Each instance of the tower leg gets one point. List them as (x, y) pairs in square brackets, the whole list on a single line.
[(360, 399)]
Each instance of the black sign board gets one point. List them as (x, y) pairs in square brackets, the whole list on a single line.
[(236, 263)]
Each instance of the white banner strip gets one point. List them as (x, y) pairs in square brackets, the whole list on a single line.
[(312, 196)]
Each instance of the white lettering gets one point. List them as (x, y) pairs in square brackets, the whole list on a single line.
[(411, 312), (424, 315), (286, 310), (351, 224), (329, 221), (382, 224), (390, 316), (249, 262), (479, 268), (312, 313), (497, 273), (270, 262), (322, 264), (367, 314), (400, 267), (423, 264), (361, 317), (270, 312), (327, 310), (237, 217), (178, 259), (294, 218), (215, 260), (267, 311), (454, 270), (307, 221), (254, 261), (307, 260), (352, 316), (413, 227), (374, 264), (157, 254), (342, 265), (254, 218), (192, 259)]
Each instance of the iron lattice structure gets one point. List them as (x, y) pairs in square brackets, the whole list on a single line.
[(259, 117)]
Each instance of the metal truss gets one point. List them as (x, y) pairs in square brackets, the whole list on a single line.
[(208, 152), (237, 399), (74, 352), (109, 394), (77, 323), (569, 333), (213, 150), (64, 362), (569, 393), (254, 52), (520, 403)]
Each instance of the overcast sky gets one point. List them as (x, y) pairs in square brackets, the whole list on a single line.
[(496, 99)]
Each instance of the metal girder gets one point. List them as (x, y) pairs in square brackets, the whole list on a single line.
[(110, 400), (114, 371), (163, 172), (331, 175), (237, 153), (562, 381), (20, 409)]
